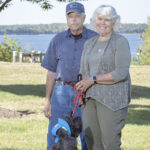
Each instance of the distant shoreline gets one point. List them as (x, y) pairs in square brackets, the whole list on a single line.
[(43, 29), (56, 33)]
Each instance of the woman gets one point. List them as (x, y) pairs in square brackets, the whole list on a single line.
[(105, 68)]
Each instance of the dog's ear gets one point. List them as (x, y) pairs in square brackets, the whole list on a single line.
[(77, 121), (77, 128)]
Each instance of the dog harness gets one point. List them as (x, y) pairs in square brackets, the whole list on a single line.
[(63, 124)]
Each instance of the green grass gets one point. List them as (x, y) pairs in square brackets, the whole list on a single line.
[(22, 88), (23, 134), (136, 134)]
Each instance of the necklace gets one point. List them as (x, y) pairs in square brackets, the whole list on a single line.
[(105, 47), (99, 50)]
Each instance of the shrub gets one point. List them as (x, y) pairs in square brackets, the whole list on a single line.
[(7, 48), (144, 56)]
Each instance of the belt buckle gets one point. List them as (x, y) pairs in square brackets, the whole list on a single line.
[(73, 84), (62, 82)]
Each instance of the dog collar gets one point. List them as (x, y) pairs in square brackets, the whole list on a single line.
[(61, 124)]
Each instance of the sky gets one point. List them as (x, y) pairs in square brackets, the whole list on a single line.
[(131, 11)]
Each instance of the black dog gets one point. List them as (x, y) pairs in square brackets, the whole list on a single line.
[(67, 133)]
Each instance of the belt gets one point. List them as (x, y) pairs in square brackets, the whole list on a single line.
[(66, 83)]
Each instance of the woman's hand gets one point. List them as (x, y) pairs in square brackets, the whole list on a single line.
[(84, 84)]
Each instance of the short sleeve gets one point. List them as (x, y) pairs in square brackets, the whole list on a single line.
[(50, 60)]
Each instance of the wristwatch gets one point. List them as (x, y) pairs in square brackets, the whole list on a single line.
[(95, 79)]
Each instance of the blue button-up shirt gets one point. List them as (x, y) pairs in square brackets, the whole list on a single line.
[(64, 53)]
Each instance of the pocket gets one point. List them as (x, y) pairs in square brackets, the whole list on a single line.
[(60, 96)]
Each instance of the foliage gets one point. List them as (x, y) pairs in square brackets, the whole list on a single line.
[(131, 27), (45, 4), (144, 56), (57, 27), (6, 48), (134, 61)]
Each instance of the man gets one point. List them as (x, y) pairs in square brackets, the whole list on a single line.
[(62, 60)]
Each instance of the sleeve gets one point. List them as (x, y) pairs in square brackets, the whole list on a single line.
[(122, 60), (50, 60)]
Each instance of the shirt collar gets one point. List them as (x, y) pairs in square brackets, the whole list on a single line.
[(84, 33)]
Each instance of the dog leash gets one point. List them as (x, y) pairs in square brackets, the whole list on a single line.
[(80, 96)]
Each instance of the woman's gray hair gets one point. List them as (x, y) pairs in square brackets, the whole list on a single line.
[(109, 12)]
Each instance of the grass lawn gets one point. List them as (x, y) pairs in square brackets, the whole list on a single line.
[(22, 89)]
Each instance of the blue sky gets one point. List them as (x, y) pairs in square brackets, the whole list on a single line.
[(131, 11)]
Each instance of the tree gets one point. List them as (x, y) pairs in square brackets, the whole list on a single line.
[(7, 47), (144, 56), (45, 4)]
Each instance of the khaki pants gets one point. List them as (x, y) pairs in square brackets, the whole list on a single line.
[(102, 126)]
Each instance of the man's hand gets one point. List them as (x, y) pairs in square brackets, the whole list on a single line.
[(47, 110), (50, 82)]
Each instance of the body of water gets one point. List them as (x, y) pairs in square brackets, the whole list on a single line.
[(41, 42)]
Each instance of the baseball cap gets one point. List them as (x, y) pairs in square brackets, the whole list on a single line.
[(75, 7)]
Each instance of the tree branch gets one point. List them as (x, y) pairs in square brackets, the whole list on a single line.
[(4, 4), (45, 4)]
